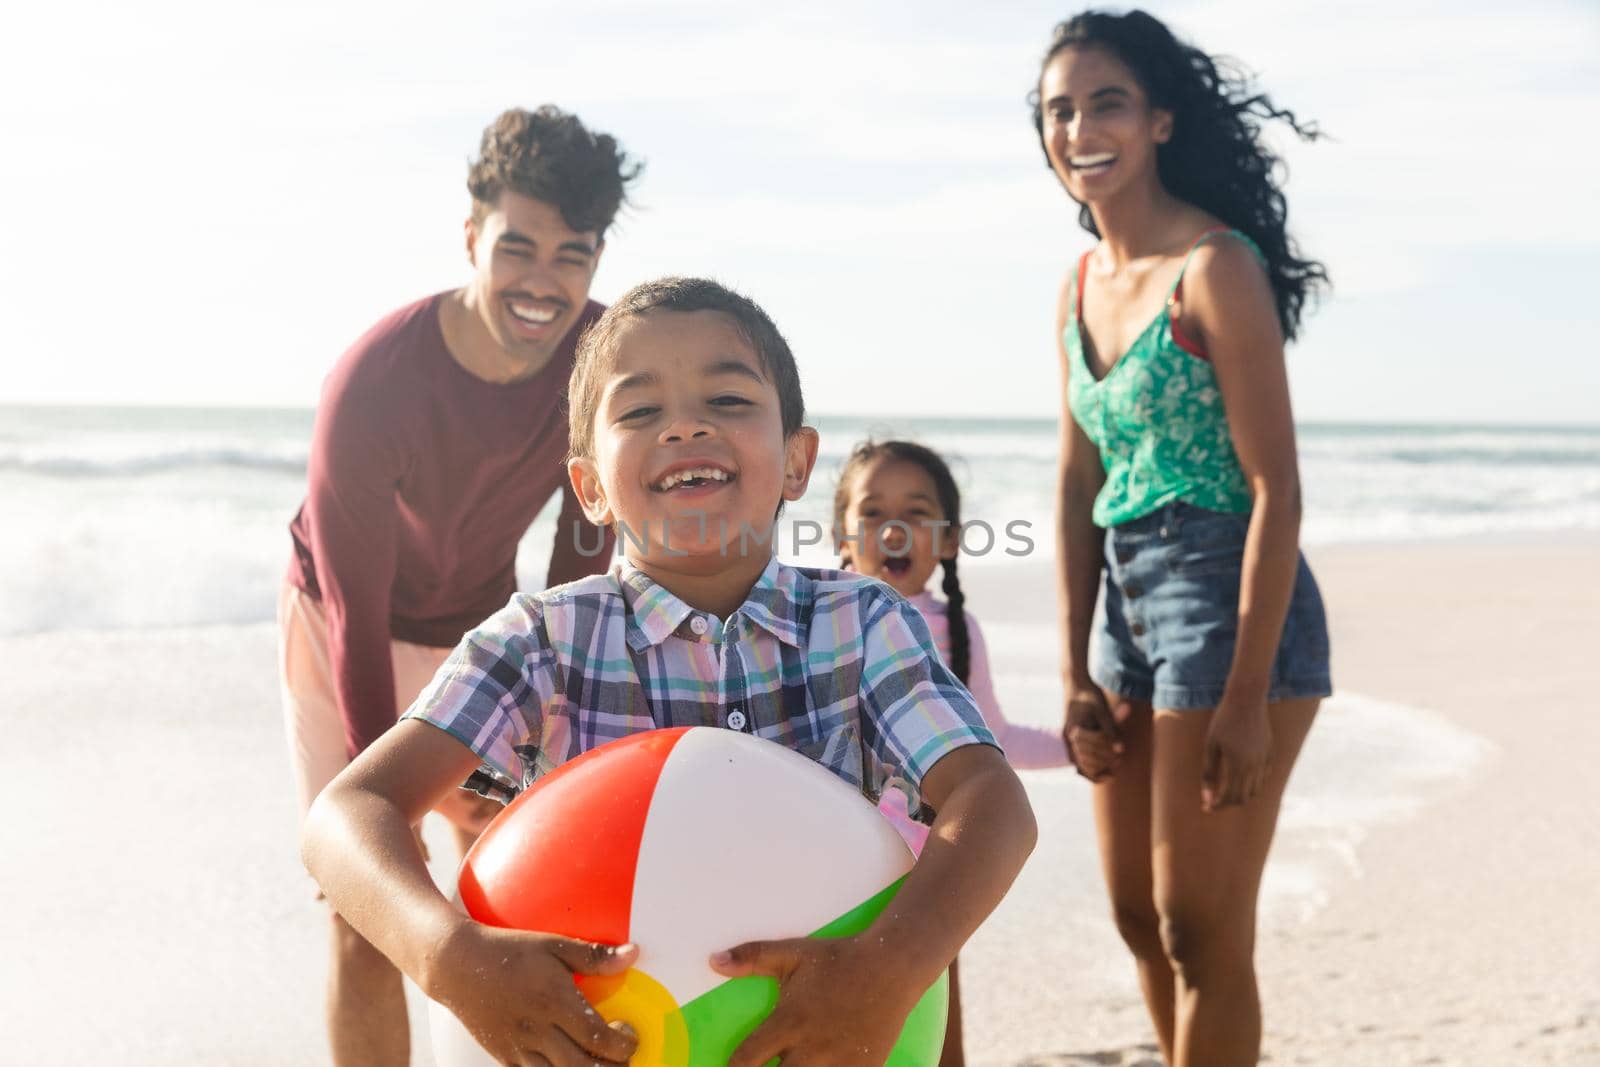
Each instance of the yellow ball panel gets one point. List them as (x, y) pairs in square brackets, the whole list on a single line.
[(646, 1006)]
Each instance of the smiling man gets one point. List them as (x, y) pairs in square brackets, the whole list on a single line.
[(439, 436)]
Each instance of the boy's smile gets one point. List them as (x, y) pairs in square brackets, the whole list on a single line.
[(690, 462), (687, 476)]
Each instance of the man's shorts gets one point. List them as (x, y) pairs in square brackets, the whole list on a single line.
[(310, 708)]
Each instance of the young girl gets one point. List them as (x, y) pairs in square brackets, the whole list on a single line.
[(896, 517), (1180, 490)]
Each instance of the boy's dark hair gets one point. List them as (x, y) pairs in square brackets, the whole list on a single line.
[(944, 483), (549, 155), (597, 351)]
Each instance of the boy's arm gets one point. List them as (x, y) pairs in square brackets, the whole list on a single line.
[(983, 834), (513, 990), (844, 1001)]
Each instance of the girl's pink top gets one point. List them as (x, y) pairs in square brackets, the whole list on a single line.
[(1027, 747)]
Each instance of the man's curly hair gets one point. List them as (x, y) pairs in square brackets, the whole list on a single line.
[(550, 155)]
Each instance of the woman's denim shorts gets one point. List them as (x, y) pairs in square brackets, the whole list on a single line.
[(1169, 613)]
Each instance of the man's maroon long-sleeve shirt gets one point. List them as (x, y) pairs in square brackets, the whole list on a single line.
[(421, 481)]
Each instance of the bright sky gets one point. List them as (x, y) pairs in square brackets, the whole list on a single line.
[(205, 203)]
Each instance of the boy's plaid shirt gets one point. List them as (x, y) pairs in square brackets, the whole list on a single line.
[(835, 666)]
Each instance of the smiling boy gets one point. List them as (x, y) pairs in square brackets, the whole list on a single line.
[(687, 435)]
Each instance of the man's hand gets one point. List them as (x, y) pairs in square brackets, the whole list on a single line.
[(514, 992), (1238, 755), (1093, 739), (834, 1009), (468, 811)]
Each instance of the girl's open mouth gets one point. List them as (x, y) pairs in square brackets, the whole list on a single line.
[(897, 566)]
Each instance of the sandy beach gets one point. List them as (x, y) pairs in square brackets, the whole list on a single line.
[(1430, 901)]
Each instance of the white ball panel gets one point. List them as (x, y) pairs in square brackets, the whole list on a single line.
[(747, 840)]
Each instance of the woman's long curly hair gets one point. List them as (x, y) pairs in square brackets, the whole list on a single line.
[(1215, 159)]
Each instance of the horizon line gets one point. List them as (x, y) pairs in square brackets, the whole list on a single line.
[(1431, 421)]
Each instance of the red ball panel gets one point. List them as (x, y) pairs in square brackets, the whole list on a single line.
[(561, 857)]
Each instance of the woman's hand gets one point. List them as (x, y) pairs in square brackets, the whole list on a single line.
[(1093, 739), (513, 991), (835, 1008), (1238, 754)]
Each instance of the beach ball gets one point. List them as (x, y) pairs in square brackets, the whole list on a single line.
[(686, 842)]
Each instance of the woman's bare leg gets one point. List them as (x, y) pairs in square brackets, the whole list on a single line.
[(1207, 873), (1122, 814)]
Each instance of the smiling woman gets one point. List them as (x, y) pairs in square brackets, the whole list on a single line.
[(1204, 117), (1179, 506)]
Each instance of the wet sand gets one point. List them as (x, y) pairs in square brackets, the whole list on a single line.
[(156, 911)]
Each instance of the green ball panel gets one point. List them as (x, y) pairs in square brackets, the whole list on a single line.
[(720, 1019)]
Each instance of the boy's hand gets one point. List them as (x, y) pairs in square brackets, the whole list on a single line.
[(514, 993), (834, 1009)]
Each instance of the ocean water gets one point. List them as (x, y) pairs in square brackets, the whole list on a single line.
[(130, 517)]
